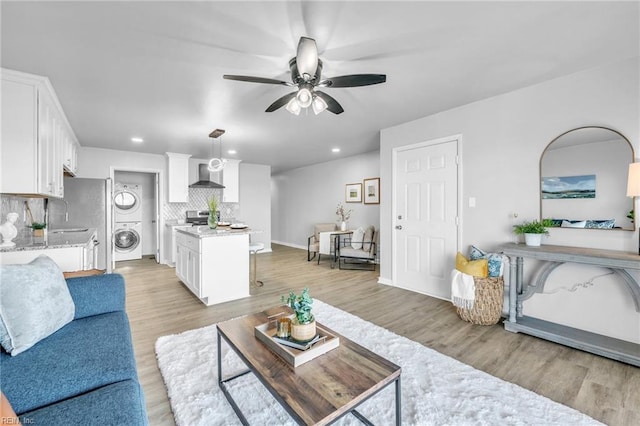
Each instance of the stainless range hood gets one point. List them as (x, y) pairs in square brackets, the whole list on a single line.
[(203, 179)]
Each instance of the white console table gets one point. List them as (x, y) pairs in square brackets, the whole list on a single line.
[(618, 262)]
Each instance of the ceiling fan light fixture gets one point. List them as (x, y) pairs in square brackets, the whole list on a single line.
[(318, 105), (293, 107), (304, 97)]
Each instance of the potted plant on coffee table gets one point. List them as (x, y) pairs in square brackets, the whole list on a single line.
[(533, 232), (303, 325)]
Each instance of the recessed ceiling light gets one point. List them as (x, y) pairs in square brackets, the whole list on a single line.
[(231, 151), (335, 150), (137, 140)]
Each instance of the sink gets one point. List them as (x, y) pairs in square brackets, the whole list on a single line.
[(64, 231)]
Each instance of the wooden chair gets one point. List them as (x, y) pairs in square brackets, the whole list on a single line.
[(352, 255), (313, 242)]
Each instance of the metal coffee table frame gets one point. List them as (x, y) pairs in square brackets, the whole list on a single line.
[(222, 384)]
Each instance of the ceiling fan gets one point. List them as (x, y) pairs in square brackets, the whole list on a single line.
[(306, 71)]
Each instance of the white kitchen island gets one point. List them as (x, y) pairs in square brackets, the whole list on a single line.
[(213, 263)]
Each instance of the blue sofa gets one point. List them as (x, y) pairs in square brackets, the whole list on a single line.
[(84, 373)]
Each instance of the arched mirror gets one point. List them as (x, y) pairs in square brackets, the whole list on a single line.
[(583, 178)]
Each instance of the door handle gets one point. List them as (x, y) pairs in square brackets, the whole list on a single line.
[(398, 226)]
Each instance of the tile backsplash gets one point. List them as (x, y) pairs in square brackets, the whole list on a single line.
[(198, 200), (14, 203)]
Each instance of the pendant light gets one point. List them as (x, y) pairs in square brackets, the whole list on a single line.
[(216, 163)]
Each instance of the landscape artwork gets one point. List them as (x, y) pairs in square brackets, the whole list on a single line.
[(569, 187)]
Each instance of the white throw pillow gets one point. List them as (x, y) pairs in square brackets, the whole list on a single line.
[(34, 303), (356, 238), (567, 224)]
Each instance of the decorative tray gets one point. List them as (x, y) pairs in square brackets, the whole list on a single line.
[(324, 342)]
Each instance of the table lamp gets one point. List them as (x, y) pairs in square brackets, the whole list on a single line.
[(633, 190)]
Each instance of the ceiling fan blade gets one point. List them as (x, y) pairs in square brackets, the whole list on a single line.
[(354, 80), (307, 57), (332, 104), (251, 79), (279, 103)]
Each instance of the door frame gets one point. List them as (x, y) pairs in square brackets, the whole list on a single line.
[(457, 138), (159, 192)]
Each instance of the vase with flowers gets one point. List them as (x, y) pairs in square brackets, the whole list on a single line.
[(212, 221), (344, 216)]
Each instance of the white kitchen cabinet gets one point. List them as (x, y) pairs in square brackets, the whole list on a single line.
[(69, 259), (214, 268), (173, 243), (70, 154), (178, 177), (34, 129), (90, 253), (188, 263), (231, 181)]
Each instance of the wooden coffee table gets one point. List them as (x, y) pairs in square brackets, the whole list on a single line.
[(318, 392)]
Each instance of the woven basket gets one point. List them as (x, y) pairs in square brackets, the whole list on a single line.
[(487, 308)]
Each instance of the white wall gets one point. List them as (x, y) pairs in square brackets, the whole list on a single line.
[(502, 140), (98, 162), (255, 201), (309, 195)]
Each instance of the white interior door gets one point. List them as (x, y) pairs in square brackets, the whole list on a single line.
[(425, 234)]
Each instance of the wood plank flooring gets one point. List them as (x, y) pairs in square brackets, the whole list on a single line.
[(158, 304)]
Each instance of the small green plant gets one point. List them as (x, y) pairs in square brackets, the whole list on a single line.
[(631, 216), (301, 305), (533, 227), (213, 204), (38, 225)]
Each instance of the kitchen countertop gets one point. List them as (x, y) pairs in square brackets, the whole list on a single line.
[(170, 223), (52, 241), (220, 231)]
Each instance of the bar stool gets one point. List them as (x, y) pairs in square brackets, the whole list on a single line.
[(254, 248)]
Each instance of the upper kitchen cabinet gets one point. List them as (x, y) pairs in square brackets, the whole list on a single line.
[(178, 176), (37, 139), (231, 181)]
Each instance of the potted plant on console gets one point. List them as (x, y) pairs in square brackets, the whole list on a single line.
[(303, 326), (533, 231)]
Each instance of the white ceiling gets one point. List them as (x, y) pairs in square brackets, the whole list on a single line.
[(154, 69)]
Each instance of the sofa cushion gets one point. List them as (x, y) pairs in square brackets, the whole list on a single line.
[(119, 403), (600, 224), (34, 303), (573, 224), (98, 294), (356, 239), (85, 354), (495, 261), (477, 268)]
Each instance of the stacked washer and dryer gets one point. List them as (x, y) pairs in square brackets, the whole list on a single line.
[(127, 203)]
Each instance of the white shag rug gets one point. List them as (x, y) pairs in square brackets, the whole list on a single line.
[(436, 389)]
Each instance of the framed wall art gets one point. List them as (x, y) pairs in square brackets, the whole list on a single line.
[(372, 191), (566, 187), (353, 193)]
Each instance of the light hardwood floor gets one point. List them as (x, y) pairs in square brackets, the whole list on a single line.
[(158, 304)]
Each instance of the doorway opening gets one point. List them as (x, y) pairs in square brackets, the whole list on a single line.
[(136, 212)]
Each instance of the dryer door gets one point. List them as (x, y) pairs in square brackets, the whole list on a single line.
[(126, 201)]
